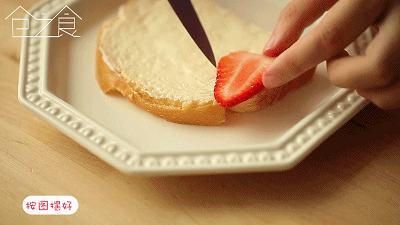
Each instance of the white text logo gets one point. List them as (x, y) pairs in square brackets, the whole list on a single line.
[(64, 22)]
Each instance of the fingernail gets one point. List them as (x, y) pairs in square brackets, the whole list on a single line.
[(270, 81), (270, 43)]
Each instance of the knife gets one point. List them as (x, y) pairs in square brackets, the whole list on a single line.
[(187, 15)]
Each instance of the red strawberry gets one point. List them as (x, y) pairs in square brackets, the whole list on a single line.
[(239, 77)]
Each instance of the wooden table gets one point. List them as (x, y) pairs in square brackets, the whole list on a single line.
[(352, 178)]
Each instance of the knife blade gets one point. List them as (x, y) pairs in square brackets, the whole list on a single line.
[(188, 16)]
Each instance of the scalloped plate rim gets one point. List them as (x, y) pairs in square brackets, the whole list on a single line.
[(290, 149)]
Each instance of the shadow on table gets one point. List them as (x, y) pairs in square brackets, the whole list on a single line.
[(316, 180)]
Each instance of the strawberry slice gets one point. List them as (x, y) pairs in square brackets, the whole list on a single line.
[(239, 77)]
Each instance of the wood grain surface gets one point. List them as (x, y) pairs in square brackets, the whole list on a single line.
[(351, 178)]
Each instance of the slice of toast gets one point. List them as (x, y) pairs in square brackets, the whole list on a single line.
[(147, 55), (185, 112)]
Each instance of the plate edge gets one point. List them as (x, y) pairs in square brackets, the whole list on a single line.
[(127, 159)]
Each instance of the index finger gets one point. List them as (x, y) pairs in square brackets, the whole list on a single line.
[(343, 23)]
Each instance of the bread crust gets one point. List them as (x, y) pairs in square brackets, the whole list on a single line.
[(259, 101), (198, 113)]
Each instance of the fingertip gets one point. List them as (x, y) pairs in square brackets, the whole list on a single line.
[(270, 81), (275, 50), (340, 70), (269, 46), (271, 52), (362, 93), (332, 62), (340, 55), (276, 74)]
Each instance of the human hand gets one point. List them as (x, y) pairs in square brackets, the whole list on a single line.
[(375, 75)]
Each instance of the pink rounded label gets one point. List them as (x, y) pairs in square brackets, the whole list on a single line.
[(50, 205)]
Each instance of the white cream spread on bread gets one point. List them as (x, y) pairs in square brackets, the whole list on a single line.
[(149, 45)]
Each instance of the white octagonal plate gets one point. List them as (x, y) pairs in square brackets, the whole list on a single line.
[(57, 82)]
